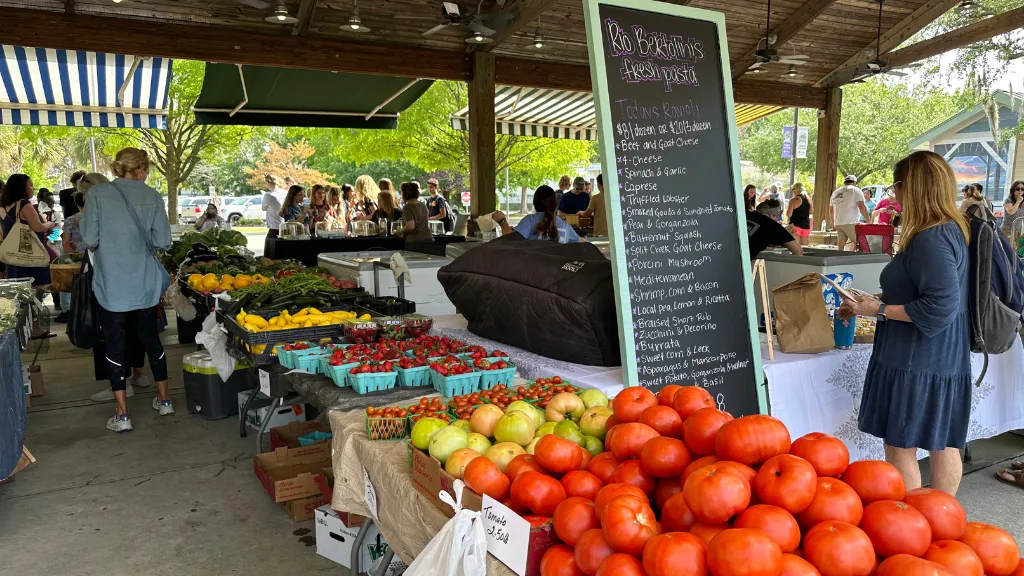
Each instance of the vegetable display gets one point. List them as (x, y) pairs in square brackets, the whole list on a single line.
[(221, 243), (296, 290)]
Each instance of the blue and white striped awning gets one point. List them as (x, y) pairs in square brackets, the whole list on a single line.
[(538, 112), (46, 87)]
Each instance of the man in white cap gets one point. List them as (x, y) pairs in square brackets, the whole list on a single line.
[(846, 207)]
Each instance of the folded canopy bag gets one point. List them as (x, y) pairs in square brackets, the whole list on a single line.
[(556, 300)]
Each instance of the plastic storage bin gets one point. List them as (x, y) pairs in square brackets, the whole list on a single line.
[(455, 385), (206, 394)]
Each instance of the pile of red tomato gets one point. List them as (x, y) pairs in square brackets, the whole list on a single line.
[(687, 490)]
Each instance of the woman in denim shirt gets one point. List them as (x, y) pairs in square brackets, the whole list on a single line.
[(122, 223)]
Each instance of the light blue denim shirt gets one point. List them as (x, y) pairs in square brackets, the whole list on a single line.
[(126, 275)]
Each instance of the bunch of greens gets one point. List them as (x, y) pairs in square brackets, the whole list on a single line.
[(8, 314), (224, 242)]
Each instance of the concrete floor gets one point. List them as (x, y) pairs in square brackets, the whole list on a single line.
[(177, 496)]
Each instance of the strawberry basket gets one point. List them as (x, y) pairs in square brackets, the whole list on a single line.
[(413, 372), (371, 377), (494, 371), (452, 376)]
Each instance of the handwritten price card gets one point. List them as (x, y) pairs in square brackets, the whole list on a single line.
[(508, 534)]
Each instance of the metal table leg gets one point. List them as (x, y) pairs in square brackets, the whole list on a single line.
[(242, 432), (357, 545), (385, 563), (266, 422)]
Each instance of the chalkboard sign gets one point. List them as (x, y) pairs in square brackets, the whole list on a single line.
[(668, 140)]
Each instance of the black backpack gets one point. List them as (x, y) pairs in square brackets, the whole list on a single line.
[(449, 214), (996, 301)]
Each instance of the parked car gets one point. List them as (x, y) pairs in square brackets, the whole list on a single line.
[(191, 208), (235, 208)]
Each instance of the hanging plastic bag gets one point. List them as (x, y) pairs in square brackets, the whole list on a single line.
[(459, 548), (213, 338), (183, 307)]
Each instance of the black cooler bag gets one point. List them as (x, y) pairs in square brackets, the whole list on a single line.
[(555, 300)]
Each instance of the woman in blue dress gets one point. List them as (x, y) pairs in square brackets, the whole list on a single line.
[(917, 391)]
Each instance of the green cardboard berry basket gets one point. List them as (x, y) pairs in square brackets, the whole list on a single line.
[(455, 385)]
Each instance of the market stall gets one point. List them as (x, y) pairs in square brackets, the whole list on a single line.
[(307, 251), (15, 321)]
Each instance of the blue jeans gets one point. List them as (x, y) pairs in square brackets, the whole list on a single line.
[(65, 301)]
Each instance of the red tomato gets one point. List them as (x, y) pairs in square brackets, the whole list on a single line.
[(700, 429), (632, 472), (581, 483), (557, 454), (714, 494), (786, 481), (664, 420), (945, 515), (996, 548), (621, 565), (827, 454), (1020, 569), (631, 402), (603, 465), (746, 472), (628, 523), (839, 549), (591, 550), (666, 394), (833, 500), (522, 463), (675, 554), (628, 440), (538, 493), (777, 523), (956, 557), (584, 459), (572, 517), (690, 399), (875, 480), (752, 439), (611, 491), (707, 532), (793, 565), (907, 565), (896, 528), (664, 457), (559, 561), (666, 488), (697, 465), (484, 477), (744, 552), (676, 516)]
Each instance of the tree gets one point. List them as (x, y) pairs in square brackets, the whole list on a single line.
[(289, 160), (49, 154)]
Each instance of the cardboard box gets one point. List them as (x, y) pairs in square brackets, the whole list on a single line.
[(290, 473), (287, 436), (429, 478), (304, 508), (36, 378), (326, 483), (281, 416), (334, 541)]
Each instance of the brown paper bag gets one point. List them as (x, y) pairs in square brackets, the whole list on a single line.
[(801, 320)]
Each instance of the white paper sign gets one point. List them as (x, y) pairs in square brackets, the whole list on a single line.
[(369, 495), (264, 382), (508, 534)]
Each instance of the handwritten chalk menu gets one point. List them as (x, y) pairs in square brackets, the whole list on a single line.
[(668, 142)]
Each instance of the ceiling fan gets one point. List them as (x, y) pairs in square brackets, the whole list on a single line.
[(770, 54), (257, 4), (481, 24)]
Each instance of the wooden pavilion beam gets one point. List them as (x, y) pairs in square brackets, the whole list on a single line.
[(976, 32), (481, 136), (789, 28), (306, 15), (826, 169), (69, 6), (528, 11), (898, 34)]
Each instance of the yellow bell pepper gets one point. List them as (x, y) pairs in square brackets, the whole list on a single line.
[(195, 281), (243, 281), (210, 282), (227, 278)]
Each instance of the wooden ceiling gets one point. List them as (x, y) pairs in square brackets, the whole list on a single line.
[(833, 33)]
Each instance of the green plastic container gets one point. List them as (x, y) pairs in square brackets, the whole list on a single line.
[(372, 382), (414, 377), (455, 385)]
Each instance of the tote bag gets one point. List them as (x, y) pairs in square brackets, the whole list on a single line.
[(82, 324), (21, 246)]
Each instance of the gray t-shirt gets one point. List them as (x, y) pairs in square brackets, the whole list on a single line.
[(417, 212)]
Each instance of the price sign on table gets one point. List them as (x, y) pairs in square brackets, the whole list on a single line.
[(264, 382), (668, 140), (508, 534)]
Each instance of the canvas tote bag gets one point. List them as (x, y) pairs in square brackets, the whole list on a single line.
[(21, 246)]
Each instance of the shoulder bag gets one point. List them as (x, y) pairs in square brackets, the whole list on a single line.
[(83, 327), (21, 246), (165, 279)]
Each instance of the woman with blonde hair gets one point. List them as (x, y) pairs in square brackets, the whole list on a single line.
[(366, 192), (917, 391), (124, 223), (798, 211), (387, 206)]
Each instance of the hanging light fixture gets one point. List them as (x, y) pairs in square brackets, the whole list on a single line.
[(355, 24), (967, 5), (281, 16), (757, 70), (478, 38), (538, 40), (791, 73)]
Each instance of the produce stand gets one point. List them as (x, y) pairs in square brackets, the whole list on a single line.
[(306, 251)]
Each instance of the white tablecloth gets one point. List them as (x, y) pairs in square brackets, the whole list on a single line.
[(822, 393)]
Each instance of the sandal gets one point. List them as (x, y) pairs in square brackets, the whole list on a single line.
[(1011, 477), (1017, 465)]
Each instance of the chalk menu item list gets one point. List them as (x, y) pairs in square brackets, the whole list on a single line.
[(684, 276)]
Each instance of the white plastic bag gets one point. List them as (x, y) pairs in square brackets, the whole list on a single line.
[(459, 548), (183, 307), (213, 338)]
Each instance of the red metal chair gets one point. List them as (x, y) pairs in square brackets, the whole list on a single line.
[(875, 238)]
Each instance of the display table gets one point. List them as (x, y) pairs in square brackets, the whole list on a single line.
[(406, 520), (12, 403), (306, 251)]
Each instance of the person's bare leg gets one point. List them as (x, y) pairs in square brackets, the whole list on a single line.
[(122, 403), (161, 390), (905, 460), (947, 470)]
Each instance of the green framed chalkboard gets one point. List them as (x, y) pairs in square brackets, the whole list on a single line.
[(668, 144)]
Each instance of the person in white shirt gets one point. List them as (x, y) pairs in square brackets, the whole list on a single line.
[(271, 204), (846, 207)]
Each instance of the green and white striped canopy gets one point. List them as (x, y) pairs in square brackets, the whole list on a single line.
[(538, 112)]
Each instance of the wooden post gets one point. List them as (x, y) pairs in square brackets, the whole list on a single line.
[(481, 135), (827, 166)]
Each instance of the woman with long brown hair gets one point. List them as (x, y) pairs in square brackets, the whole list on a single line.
[(387, 206), (318, 210), (1012, 213), (917, 391), (543, 224)]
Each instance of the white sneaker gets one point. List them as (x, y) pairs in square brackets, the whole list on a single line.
[(122, 423), (165, 408), (108, 394), (143, 381)]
